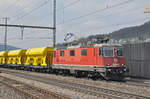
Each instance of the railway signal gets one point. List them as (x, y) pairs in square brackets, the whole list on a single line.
[(147, 11)]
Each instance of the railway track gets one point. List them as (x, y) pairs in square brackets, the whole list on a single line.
[(30, 92), (138, 84), (128, 82), (132, 83), (96, 91)]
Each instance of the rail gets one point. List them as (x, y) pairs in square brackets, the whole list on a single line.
[(25, 89), (91, 90)]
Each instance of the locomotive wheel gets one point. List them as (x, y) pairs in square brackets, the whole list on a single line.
[(93, 76), (77, 74)]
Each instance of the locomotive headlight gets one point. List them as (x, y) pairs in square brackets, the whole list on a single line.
[(125, 70), (108, 65), (123, 65), (109, 70)]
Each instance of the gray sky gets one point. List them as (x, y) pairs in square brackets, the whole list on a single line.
[(81, 17)]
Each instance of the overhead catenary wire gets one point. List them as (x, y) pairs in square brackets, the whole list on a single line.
[(35, 38), (11, 5), (29, 13), (94, 12), (101, 27), (69, 5), (123, 23), (22, 28), (23, 7), (65, 6), (41, 5), (27, 33), (99, 10), (104, 26), (34, 9), (131, 11)]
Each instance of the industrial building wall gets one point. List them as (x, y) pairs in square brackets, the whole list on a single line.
[(138, 59)]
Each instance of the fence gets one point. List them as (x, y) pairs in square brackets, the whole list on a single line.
[(138, 59)]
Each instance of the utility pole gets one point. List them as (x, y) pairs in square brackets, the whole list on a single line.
[(5, 39), (54, 24), (27, 26)]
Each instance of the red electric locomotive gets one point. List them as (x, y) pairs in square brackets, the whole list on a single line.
[(104, 61)]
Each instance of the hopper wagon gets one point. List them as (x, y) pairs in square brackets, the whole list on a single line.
[(3, 58), (16, 58)]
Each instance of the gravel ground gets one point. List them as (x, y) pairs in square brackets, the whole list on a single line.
[(9, 93), (139, 90), (66, 92)]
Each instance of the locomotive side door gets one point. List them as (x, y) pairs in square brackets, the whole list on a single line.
[(99, 56), (95, 56), (57, 56)]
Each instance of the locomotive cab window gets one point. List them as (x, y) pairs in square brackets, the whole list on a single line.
[(119, 52), (100, 51), (108, 51), (84, 52), (72, 53), (62, 53)]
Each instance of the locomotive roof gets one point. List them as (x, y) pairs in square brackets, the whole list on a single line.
[(108, 45), (92, 45)]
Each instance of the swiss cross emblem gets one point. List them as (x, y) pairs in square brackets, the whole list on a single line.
[(115, 60)]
